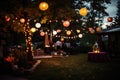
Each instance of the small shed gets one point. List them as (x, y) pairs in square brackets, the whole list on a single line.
[(109, 40)]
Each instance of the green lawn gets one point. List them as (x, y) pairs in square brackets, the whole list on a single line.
[(75, 67)]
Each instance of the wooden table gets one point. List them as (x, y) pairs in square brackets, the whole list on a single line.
[(98, 57)]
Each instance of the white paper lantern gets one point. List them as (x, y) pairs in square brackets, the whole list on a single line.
[(37, 25), (80, 35)]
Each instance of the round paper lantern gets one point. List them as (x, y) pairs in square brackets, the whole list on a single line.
[(91, 30), (33, 30), (68, 32), (98, 29), (58, 30), (43, 6), (37, 25), (109, 19), (7, 18), (22, 20), (62, 39), (54, 32), (78, 31), (42, 33), (80, 35), (66, 23), (83, 11)]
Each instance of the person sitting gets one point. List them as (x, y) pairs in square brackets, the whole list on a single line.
[(96, 48)]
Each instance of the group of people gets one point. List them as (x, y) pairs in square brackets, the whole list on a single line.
[(60, 48)]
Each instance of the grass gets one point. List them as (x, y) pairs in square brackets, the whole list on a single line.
[(75, 67)]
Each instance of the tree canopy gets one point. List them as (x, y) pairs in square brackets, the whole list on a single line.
[(58, 10)]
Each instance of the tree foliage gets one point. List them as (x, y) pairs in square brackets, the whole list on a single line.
[(58, 10), (97, 9)]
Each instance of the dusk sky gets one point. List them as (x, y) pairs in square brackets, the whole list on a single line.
[(112, 9)]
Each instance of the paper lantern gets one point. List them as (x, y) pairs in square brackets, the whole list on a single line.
[(78, 31), (42, 33), (43, 6), (33, 30), (7, 18), (68, 32), (58, 30), (66, 23), (62, 39), (54, 32), (83, 11), (80, 35), (98, 29), (37, 25), (109, 19), (91, 30), (22, 20)]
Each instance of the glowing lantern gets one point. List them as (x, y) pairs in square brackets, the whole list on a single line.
[(54, 32), (43, 6), (66, 23), (78, 31), (109, 19), (9, 59), (91, 30), (37, 25), (7, 18), (62, 39), (42, 33), (98, 29), (33, 30), (22, 20), (80, 35), (58, 30), (68, 32), (83, 11)]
